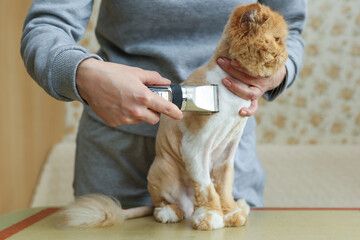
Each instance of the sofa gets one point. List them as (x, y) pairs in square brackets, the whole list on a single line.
[(297, 176)]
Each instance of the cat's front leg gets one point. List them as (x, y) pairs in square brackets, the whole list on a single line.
[(196, 154), (167, 190), (234, 215), (208, 214)]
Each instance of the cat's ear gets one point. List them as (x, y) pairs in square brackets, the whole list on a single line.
[(253, 16), (249, 15)]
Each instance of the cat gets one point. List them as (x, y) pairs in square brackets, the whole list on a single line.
[(193, 173)]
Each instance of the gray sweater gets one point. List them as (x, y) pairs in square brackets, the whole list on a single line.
[(170, 37)]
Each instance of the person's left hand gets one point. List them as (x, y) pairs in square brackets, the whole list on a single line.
[(254, 86)]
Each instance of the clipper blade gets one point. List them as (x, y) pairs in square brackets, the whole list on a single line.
[(202, 99)]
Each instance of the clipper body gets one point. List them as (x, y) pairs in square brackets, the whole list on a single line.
[(201, 99)]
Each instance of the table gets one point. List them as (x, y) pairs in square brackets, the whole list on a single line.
[(263, 223)]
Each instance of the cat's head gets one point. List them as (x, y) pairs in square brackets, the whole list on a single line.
[(257, 39)]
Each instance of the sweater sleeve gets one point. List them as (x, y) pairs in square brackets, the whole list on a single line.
[(49, 44), (294, 13)]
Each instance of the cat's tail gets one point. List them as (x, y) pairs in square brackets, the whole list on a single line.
[(96, 210)]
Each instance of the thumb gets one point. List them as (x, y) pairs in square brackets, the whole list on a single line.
[(153, 78), (247, 112)]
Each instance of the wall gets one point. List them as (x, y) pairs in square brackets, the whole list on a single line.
[(30, 121), (322, 107)]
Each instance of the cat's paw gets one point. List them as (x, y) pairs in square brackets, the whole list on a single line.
[(235, 218), (168, 214), (207, 220), (243, 205)]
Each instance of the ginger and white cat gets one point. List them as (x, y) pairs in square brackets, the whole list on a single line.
[(193, 173)]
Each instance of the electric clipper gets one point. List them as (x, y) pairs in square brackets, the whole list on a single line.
[(201, 99)]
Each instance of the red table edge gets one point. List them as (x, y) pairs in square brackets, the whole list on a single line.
[(27, 222), (17, 227)]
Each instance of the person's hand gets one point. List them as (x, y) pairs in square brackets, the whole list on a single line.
[(118, 95), (254, 86)]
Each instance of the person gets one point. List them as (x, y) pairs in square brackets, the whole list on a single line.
[(144, 43)]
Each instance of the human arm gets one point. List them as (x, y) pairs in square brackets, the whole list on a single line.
[(49, 44), (53, 58), (105, 87), (294, 12)]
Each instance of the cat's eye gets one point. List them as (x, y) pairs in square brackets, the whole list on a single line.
[(277, 39)]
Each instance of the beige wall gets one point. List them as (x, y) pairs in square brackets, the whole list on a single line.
[(30, 121)]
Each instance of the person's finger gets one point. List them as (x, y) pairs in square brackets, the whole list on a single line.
[(251, 80), (153, 78), (158, 104), (247, 112), (150, 116), (242, 90), (236, 65), (116, 120), (136, 113), (225, 64), (126, 121)]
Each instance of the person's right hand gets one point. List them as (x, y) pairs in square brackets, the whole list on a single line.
[(118, 95)]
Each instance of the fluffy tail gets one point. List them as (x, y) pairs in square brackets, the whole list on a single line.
[(96, 210)]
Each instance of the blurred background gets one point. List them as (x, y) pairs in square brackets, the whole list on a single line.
[(318, 116), (31, 122)]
